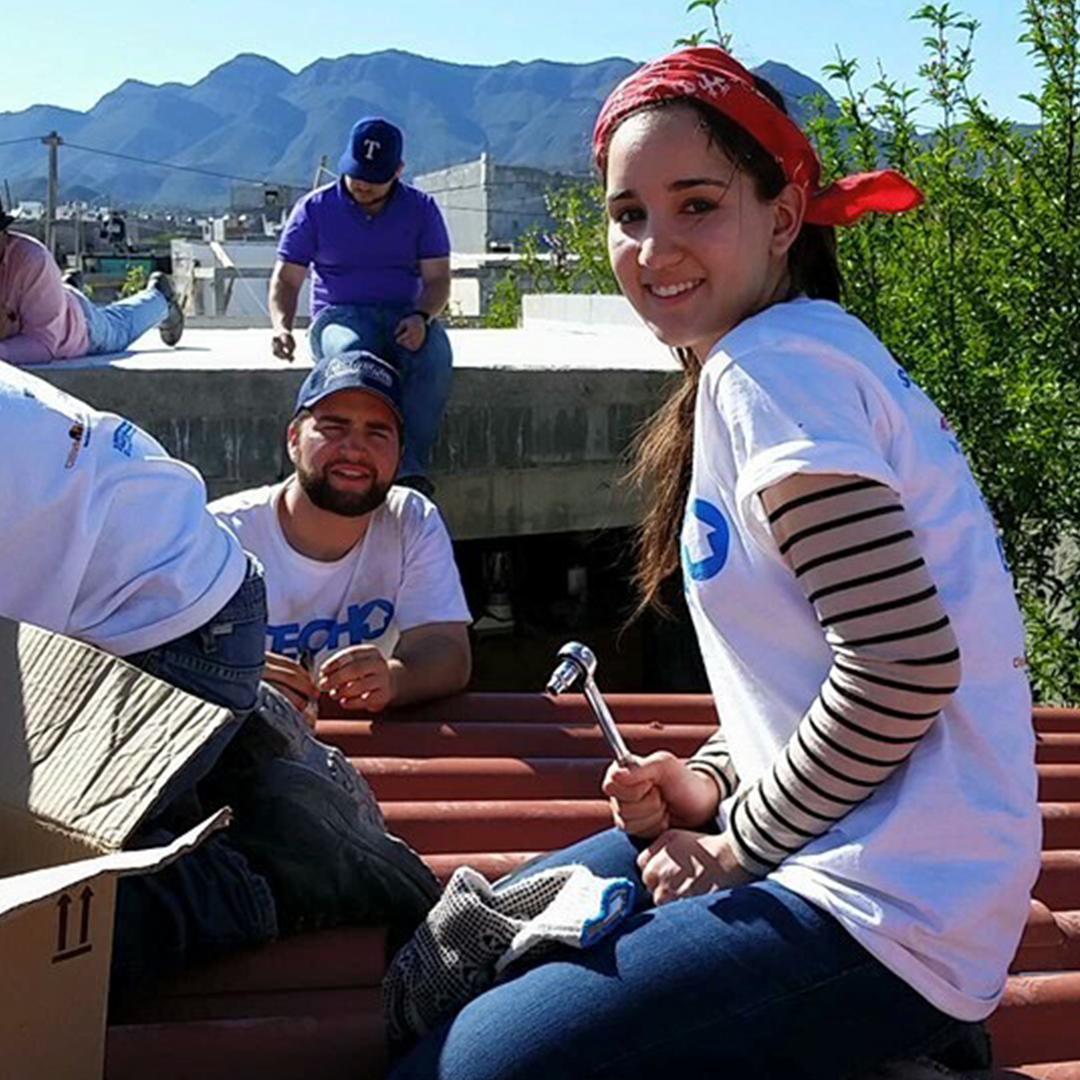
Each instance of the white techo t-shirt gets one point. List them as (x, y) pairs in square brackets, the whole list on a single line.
[(401, 575), (932, 873), (103, 536)]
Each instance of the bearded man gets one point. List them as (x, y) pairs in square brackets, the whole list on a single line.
[(364, 597)]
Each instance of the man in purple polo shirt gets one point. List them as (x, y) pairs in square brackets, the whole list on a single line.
[(380, 256)]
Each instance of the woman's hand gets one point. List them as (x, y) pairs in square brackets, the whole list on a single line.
[(658, 792), (682, 863)]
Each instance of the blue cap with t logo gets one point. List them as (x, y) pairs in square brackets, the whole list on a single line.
[(373, 152), (358, 370)]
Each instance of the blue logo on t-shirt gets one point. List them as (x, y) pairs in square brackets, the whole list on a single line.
[(717, 538), (364, 622), (123, 438)]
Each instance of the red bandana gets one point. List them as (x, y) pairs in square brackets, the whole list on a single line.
[(709, 75)]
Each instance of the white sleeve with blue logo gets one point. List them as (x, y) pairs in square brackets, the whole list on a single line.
[(103, 536)]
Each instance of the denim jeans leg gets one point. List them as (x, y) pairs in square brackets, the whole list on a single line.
[(342, 328), (611, 853), (752, 981), (425, 383), (113, 327), (210, 901), (221, 661)]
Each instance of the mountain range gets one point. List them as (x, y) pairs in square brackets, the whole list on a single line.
[(253, 118)]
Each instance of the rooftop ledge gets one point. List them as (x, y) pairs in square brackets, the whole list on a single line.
[(534, 438)]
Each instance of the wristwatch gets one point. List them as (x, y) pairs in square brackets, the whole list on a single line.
[(428, 319)]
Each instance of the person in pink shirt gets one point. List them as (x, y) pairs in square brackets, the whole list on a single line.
[(42, 319)]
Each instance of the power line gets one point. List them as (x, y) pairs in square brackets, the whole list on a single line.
[(252, 180), (536, 215), (182, 168), (561, 180), (27, 138)]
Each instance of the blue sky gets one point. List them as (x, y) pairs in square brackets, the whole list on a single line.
[(66, 53)]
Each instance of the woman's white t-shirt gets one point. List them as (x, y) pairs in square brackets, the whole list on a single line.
[(103, 536), (932, 873), (400, 576)]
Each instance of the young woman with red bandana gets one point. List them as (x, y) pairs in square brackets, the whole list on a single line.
[(841, 875)]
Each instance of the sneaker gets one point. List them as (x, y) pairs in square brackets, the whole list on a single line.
[(325, 869), (417, 483), (171, 327), (294, 740)]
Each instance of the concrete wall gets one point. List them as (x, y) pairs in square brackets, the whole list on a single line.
[(517, 202), (522, 452), (556, 310), (462, 196), (485, 203)]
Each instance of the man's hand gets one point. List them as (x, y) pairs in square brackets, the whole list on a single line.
[(410, 332), (283, 345), (680, 863), (286, 675), (286, 281), (359, 677), (658, 792)]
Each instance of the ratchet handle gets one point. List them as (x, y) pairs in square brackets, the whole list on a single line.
[(607, 724)]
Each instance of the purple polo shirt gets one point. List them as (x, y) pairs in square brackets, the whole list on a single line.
[(356, 259)]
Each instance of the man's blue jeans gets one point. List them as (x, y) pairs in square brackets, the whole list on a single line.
[(113, 327), (750, 982), (222, 660), (211, 900), (425, 373)]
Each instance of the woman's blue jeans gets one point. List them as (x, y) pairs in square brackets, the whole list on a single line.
[(751, 982), (425, 373)]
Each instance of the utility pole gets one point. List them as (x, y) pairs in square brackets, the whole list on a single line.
[(52, 141), (320, 169), (78, 220)]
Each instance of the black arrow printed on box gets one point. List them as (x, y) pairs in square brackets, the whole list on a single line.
[(63, 906), (84, 927)]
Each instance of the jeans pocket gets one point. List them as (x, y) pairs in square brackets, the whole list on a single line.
[(233, 643), (236, 635)]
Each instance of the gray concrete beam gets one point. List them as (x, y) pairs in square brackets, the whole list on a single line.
[(525, 449)]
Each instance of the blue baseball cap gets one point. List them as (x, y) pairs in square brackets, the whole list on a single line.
[(358, 370), (373, 152)]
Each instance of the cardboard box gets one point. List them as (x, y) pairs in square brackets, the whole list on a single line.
[(87, 744)]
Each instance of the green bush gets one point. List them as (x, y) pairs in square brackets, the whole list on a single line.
[(978, 292), (134, 281), (503, 310)]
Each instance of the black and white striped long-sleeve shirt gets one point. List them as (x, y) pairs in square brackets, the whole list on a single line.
[(896, 662)]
